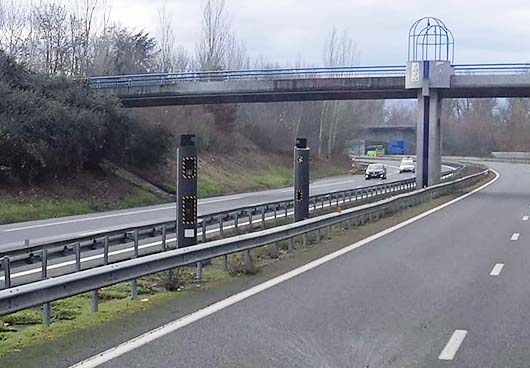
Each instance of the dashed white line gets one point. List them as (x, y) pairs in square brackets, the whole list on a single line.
[(525, 218), (496, 271), (515, 236), (450, 350)]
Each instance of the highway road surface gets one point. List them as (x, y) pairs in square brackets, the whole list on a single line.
[(449, 289), (99, 221)]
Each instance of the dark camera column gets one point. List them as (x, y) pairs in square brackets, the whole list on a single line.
[(301, 180), (187, 191)]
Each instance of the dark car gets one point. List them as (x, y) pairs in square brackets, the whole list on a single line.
[(377, 171)]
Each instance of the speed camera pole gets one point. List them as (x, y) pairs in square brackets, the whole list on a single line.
[(186, 191), (301, 180)]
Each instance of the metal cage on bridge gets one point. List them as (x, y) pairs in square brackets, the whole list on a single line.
[(430, 39)]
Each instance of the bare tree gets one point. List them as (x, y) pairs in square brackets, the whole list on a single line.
[(166, 39), (13, 28), (215, 36), (338, 51)]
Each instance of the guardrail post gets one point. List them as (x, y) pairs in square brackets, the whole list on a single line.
[(199, 271), (236, 220), (290, 245), (77, 249), (95, 301), (286, 211), (203, 231), (46, 307), (304, 239), (318, 235), (134, 282), (44, 264), (247, 260), (301, 180), (250, 215), (164, 238), (186, 191), (106, 250), (221, 226), (6, 266), (276, 253), (263, 217), (225, 263)]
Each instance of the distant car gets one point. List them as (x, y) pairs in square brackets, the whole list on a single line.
[(407, 165), (377, 171)]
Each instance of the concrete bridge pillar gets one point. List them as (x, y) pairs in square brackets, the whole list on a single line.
[(428, 139), (428, 78)]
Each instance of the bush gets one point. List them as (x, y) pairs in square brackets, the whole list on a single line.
[(52, 126)]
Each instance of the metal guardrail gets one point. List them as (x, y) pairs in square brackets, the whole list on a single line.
[(161, 79), (147, 229), (26, 296)]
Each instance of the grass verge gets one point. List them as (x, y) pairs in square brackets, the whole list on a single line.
[(18, 210)]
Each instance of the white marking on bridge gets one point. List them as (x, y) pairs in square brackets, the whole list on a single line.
[(450, 350), (166, 329), (496, 271), (515, 236)]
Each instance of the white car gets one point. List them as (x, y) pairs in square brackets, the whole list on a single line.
[(407, 165)]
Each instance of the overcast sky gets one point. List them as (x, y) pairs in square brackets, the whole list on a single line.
[(287, 30)]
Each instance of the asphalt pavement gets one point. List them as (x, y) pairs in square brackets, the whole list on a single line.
[(84, 224), (448, 290)]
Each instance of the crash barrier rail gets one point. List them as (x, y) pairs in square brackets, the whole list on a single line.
[(43, 292), (222, 220)]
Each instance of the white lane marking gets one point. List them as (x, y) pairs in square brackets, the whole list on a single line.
[(88, 219), (515, 236), (525, 218), (496, 271), (170, 327), (215, 200), (449, 352)]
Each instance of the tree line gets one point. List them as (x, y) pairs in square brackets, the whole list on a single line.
[(64, 41)]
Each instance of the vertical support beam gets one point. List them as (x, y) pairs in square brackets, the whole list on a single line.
[(428, 136), (186, 191), (301, 180), (435, 139)]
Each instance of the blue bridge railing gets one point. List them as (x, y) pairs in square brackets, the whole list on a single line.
[(160, 79)]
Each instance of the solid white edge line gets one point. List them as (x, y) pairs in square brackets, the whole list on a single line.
[(161, 331), (497, 269), (450, 350), (515, 236)]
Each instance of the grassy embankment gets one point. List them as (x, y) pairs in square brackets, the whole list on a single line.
[(72, 315), (89, 192)]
